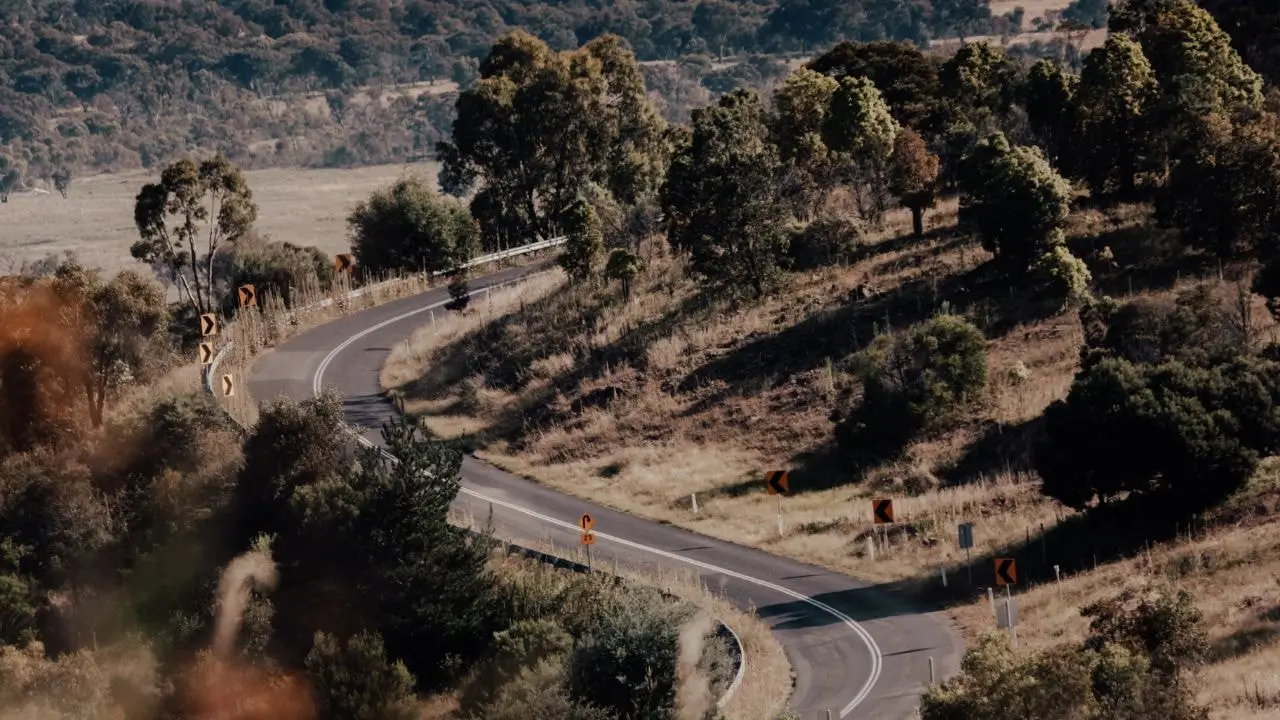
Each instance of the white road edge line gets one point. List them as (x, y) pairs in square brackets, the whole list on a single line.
[(867, 639)]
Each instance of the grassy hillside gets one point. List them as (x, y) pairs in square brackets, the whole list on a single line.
[(1230, 569), (639, 404)]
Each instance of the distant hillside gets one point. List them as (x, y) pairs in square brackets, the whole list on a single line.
[(120, 83)]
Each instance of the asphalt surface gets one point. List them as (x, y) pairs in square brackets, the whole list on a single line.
[(855, 651)]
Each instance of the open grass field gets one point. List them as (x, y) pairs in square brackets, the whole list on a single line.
[(304, 207), (1092, 40), (1032, 8)]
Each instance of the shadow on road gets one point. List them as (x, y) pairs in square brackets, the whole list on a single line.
[(861, 604), (367, 412)]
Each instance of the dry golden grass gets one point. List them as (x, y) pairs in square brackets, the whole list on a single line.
[(654, 444), (1092, 39), (304, 207), (1033, 8), (315, 101), (1234, 574), (648, 428), (448, 327), (437, 707)]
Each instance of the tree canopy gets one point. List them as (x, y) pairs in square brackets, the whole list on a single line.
[(1183, 437), (410, 227), (721, 200), (539, 125), (195, 212), (1117, 90), (1014, 199)]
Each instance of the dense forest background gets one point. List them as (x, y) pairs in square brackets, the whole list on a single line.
[(123, 83), (90, 86)]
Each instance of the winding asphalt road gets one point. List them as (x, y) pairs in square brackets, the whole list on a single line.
[(855, 651)]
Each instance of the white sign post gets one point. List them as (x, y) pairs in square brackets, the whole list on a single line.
[(1008, 617)]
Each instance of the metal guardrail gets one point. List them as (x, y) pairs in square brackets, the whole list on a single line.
[(739, 652), (511, 252), (212, 368)]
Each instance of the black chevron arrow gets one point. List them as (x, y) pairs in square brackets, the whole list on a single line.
[(1007, 571)]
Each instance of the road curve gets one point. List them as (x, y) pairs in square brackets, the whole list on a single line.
[(855, 651)]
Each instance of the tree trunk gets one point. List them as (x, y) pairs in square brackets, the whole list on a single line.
[(917, 221), (194, 261), (94, 398)]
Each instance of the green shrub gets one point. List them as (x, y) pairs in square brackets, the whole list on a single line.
[(611, 647), (1184, 437), (1014, 199), (585, 245), (277, 269), (626, 663), (291, 446), (538, 691), (354, 680), (525, 644), (623, 266), (997, 684), (19, 601), (828, 240), (161, 471), (1065, 274), (914, 381), (410, 227), (1162, 624), (51, 508), (1118, 672), (175, 433), (1202, 327)]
